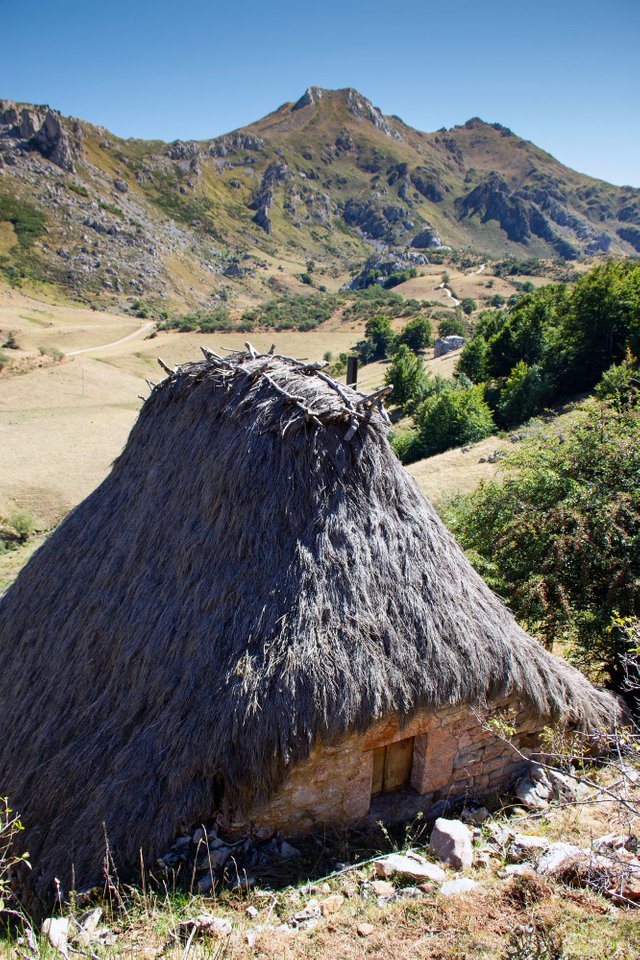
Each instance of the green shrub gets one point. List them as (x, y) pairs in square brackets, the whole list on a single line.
[(406, 375), (23, 524), (468, 305), (523, 395), (407, 446), (27, 221), (10, 826), (451, 417), (472, 362), (52, 352), (380, 339), (417, 334), (620, 384), (451, 326), (559, 537), (292, 312)]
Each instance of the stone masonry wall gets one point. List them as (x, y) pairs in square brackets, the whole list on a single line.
[(453, 754)]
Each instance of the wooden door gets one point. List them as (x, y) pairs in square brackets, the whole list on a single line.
[(392, 767)]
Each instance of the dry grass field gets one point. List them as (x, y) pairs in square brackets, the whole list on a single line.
[(62, 423)]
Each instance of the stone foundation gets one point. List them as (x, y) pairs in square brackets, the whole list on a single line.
[(454, 754)]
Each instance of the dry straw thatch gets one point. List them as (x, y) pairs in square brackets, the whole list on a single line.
[(258, 571)]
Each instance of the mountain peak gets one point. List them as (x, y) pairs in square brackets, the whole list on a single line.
[(357, 104)]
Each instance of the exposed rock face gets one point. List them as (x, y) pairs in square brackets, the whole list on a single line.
[(358, 105), (530, 211), (374, 218), (319, 207), (429, 186), (362, 108), (427, 239), (631, 235), (276, 173), (231, 142), (491, 200), (39, 128), (309, 97)]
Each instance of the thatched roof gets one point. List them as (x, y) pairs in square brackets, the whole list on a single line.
[(257, 571)]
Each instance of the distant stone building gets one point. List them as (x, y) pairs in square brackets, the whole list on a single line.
[(447, 344)]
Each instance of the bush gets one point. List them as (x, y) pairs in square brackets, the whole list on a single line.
[(523, 395), (417, 334), (292, 312), (451, 326), (620, 384), (10, 825), (451, 417), (559, 538), (28, 223), (380, 340), (472, 362), (407, 446), (52, 352), (23, 524), (406, 375), (468, 305), (4, 359)]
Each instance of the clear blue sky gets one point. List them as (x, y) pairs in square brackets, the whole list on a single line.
[(562, 73)]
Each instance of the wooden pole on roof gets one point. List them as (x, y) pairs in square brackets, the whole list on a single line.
[(352, 371)]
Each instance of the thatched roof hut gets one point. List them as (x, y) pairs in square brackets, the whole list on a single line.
[(258, 574)]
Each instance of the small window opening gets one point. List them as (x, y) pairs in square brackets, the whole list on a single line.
[(392, 767)]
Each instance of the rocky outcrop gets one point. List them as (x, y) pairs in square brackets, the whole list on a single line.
[(357, 105), (374, 218), (429, 186), (363, 109), (41, 129), (232, 142), (311, 96), (319, 207), (491, 200), (276, 173), (630, 235), (520, 216), (427, 239)]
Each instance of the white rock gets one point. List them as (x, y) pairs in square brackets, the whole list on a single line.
[(88, 925), (535, 796), (556, 854), (517, 870), (526, 847), (311, 911), (56, 930), (451, 842), (462, 885), (251, 912), (611, 841), (500, 835), (206, 923), (477, 816), (410, 865)]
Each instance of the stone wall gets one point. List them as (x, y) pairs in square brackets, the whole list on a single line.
[(454, 754)]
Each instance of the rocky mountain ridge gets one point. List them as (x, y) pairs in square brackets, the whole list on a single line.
[(326, 177)]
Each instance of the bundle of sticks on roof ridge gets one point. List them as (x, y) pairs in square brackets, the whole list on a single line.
[(327, 401)]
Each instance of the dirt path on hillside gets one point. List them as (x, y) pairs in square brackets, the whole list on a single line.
[(114, 343), (447, 293)]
